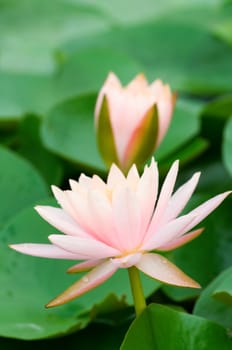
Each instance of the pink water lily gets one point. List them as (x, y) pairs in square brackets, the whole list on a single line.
[(120, 224), (138, 116)]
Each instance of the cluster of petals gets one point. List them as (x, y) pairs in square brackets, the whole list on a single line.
[(128, 108), (120, 223)]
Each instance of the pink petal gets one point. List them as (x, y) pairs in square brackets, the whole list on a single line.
[(165, 108), (133, 178), (94, 278), (127, 260), (115, 177), (98, 183), (111, 83), (165, 102), (82, 215), (120, 105), (127, 218), (75, 205), (158, 267), (112, 80), (146, 193), (168, 232), (156, 88), (164, 197), (84, 266), (90, 248), (206, 208), (101, 219), (62, 199), (138, 85), (127, 109), (44, 251), (60, 220), (181, 197), (178, 242), (85, 181), (127, 113), (74, 185)]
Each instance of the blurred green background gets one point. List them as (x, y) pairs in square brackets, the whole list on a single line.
[(54, 57)]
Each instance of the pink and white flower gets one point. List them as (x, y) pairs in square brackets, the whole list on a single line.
[(120, 224), (139, 116)]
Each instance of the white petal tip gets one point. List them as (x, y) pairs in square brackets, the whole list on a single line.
[(189, 283), (55, 189), (39, 208), (23, 248), (13, 246), (228, 193), (18, 247), (197, 175), (52, 303)]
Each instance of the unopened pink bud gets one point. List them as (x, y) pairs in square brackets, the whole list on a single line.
[(131, 121)]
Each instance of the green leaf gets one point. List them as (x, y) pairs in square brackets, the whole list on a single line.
[(184, 126), (28, 283), (32, 149), (144, 138), (97, 336), (85, 71), (220, 107), (68, 130), (38, 28), (163, 328), (223, 292), (185, 154), (227, 146), (224, 30), (20, 185), (105, 136), (19, 95), (53, 88), (214, 177), (215, 303), (207, 255), (199, 65), (201, 71)]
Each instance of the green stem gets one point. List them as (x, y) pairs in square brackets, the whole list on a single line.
[(137, 291)]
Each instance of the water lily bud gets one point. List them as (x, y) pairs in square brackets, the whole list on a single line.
[(131, 121)]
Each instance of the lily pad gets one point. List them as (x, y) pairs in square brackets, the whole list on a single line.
[(185, 124), (20, 185), (78, 75), (32, 30), (68, 130), (209, 254), (199, 65), (32, 149), (215, 303), (227, 146), (163, 328)]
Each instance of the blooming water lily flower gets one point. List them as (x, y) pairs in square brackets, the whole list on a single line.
[(120, 224), (131, 121)]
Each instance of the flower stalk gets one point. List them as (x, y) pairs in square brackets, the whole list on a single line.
[(137, 290)]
